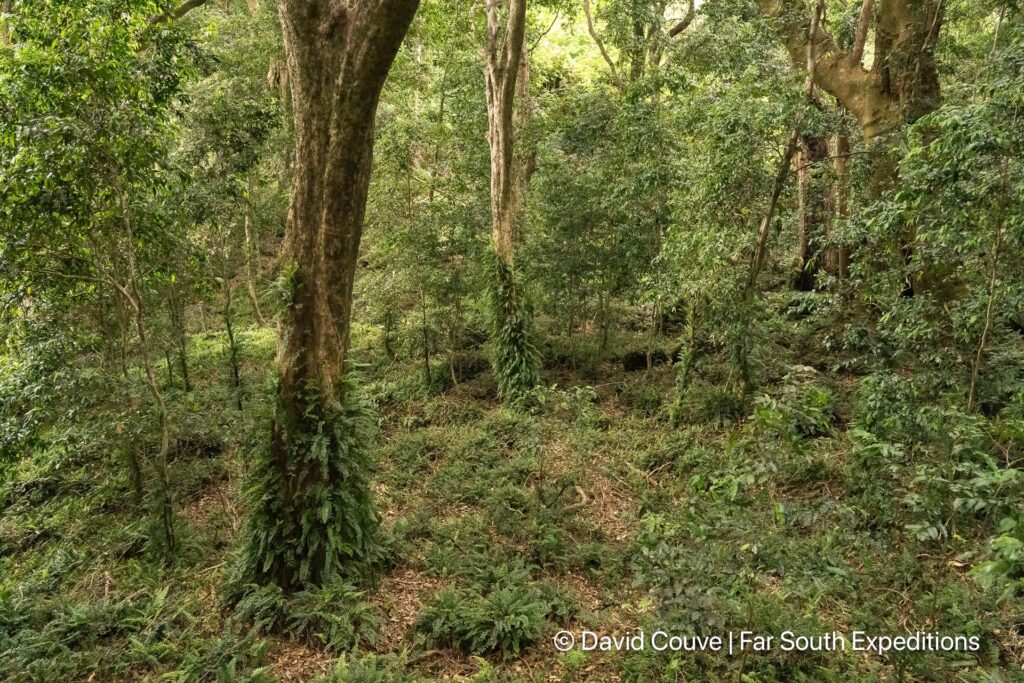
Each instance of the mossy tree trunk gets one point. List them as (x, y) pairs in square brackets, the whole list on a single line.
[(313, 513)]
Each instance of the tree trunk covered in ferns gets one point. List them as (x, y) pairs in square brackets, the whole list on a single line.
[(515, 359), (313, 517)]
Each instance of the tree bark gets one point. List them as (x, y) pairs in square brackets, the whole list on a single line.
[(505, 57), (839, 257), (902, 84), (5, 32), (814, 213), (515, 358), (338, 55)]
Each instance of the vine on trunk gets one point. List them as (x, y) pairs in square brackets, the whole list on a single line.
[(313, 518), (515, 359)]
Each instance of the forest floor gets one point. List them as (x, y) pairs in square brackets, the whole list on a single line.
[(766, 516)]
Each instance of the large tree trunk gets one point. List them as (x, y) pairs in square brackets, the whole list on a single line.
[(900, 86), (902, 83), (314, 509)]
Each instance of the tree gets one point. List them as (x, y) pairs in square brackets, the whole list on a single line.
[(312, 501), (902, 82), (900, 86), (506, 71), (85, 157)]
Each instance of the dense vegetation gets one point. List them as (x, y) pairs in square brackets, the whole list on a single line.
[(377, 340)]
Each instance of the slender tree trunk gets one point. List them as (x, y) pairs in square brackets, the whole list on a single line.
[(839, 257), (132, 294), (250, 277), (177, 309), (515, 360), (135, 471), (686, 362), (813, 210), (5, 34), (122, 325), (761, 243), (236, 378), (993, 287), (167, 364), (315, 511), (425, 331)]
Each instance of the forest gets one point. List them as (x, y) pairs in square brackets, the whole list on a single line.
[(387, 341)]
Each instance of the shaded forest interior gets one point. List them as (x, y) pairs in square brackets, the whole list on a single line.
[(383, 340)]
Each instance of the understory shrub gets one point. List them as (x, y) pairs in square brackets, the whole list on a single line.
[(501, 613)]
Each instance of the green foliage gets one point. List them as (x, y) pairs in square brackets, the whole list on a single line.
[(860, 494), (1005, 567), (335, 615), (370, 668), (802, 410), (667, 570), (504, 614), (332, 616), (515, 360), (324, 529)]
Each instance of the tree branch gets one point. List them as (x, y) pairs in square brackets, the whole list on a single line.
[(861, 37), (542, 35), (757, 257), (858, 91), (600, 45), (685, 23), (182, 9)]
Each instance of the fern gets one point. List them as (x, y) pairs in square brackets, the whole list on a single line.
[(503, 613), (335, 615), (515, 359), (313, 519)]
